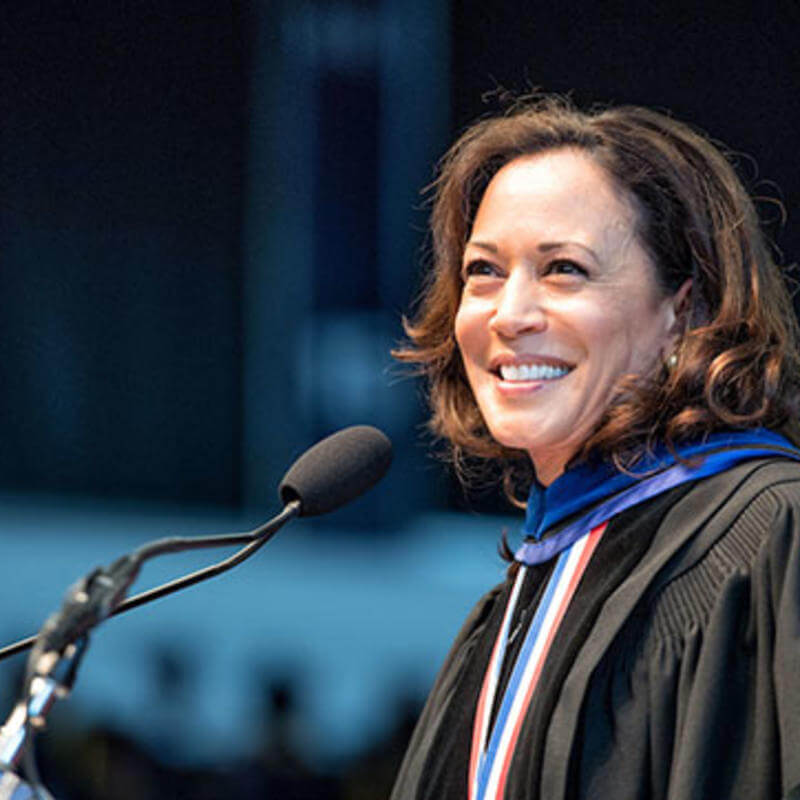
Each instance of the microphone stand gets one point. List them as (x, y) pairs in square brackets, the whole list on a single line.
[(60, 645), (333, 472), (28, 715)]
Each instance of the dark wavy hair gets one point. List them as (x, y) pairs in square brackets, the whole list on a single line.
[(737, 359)]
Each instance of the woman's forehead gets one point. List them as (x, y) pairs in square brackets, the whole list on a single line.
[(553, 196)]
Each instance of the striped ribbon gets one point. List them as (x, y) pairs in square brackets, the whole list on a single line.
[(492, 750)]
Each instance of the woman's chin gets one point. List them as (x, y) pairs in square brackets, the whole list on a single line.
[(515, 440)]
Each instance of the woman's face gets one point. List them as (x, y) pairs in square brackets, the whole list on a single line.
[(560, 299)]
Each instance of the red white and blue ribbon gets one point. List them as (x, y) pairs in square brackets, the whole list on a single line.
[(492, 749)]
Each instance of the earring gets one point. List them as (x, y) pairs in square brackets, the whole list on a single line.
[(672, 361)]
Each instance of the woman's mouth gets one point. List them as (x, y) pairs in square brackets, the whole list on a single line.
[(521, 373)]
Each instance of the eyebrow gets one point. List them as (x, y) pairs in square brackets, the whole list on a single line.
[(492, 248), (544, 247)]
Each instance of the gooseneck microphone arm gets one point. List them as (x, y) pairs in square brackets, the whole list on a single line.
[(328, 475), (258, 538), (253, 541)]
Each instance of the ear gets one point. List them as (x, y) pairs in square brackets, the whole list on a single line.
[(680, 307)]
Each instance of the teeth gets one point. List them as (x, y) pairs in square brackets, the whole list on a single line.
[(531, 372)]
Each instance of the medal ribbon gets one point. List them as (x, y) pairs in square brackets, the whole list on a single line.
[(489, 761)]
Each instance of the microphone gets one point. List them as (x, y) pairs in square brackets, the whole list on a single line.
[(328, 475), (337, 469), (333, 472)]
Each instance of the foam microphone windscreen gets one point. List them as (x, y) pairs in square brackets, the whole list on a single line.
[(337, 470)]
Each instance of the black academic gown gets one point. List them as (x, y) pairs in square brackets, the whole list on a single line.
[(675, 674)]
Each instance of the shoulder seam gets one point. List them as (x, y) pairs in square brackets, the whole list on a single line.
[(686, 599)]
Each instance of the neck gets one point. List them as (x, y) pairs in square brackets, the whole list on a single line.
[(549, 467)]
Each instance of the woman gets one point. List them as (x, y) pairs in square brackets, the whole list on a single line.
[(605, 319)]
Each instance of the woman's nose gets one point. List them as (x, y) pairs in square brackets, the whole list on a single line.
[(519, 309)]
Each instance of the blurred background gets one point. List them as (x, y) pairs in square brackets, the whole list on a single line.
[(211, 222)]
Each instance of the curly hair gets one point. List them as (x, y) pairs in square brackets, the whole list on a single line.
[(737, 360)]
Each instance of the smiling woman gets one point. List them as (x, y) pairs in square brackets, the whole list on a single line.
[(604, 318), (560, 299)]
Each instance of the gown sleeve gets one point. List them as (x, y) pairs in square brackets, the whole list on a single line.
[(784, 564), (410, 778)]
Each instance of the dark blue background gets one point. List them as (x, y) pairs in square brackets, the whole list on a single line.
[(211, 222)]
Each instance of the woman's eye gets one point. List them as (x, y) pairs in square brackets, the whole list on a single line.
[(564, 266), (479, 267)]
